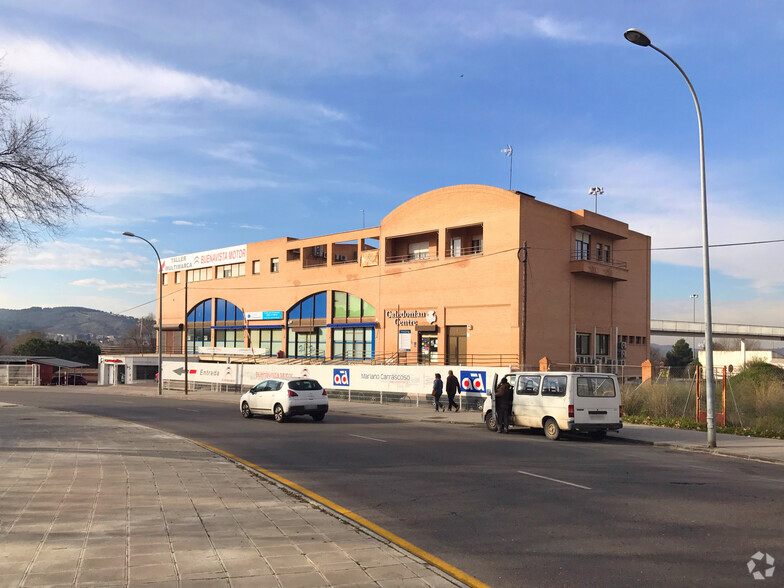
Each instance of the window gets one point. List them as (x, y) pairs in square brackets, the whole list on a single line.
[(256, 266), (199, 275), (231, 270), (602, 344), (345, 305), (226, 312), (457, 247), (582, 245), (199, 321), (310, 344), (292, 255), (554, 386), (595, 387), (606, 249), (476, 245), (266, 341), (528, 385), (419, 250), (582, 344), (353, 343), (230, 338), (176, 277), (274, 265), (165, 279)]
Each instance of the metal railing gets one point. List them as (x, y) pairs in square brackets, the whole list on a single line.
[(586, 256), (410, 257), (464, 251)]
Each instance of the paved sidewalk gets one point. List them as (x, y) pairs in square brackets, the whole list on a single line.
[(753, 448), (91, 501)]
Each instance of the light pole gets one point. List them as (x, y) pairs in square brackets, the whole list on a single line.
[(694, 317), (509, 152), (160, 311), (596, 191), (639, 38)]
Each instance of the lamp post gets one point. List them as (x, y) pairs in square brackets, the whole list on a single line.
[(639, 38), (596, 191), (160, 311)]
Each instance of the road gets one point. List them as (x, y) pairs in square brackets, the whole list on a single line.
[(507, 509)]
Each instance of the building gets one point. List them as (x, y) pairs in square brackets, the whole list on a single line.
[(462, 275)]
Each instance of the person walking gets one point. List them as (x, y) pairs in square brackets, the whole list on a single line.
[(503, 405), (452, 388), (438, 389)]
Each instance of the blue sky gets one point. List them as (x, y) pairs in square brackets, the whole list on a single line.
[(201, 125)]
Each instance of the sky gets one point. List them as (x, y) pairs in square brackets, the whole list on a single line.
[(201, 125)]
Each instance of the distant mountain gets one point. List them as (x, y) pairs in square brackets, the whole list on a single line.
[(67, 323)]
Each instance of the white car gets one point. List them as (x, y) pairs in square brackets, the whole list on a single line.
[(283, 398)]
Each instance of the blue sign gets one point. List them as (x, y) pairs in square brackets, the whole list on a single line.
[(472, 381), (340, 377), (272, 315)]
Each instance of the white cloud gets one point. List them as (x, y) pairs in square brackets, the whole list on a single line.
[(59, 255), (103, 285), (187, 223), (112, 76)]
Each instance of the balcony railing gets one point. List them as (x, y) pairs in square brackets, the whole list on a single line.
[(408, 258), (586, 256), (464, 251)]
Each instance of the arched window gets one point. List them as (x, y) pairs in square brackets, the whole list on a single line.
[(307, 333), (229, 324), (199, 333), (353, 327)]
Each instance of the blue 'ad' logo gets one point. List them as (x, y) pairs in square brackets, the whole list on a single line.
[(472, 381), (340, 377)]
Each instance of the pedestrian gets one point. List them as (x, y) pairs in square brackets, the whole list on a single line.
[(438, 389), (503, 405), (452, 388)]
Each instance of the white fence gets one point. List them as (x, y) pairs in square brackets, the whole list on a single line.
[(20, 375)]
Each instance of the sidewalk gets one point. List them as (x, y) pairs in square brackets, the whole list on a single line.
[(751, 448), (91, 501)]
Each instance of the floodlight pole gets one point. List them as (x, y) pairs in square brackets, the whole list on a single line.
[(160, 311), (639, 38)]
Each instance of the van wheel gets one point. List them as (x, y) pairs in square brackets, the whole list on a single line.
[(246, 410), (490, 422), (551, 429), (318, 416), (277, 412), (597, 435)]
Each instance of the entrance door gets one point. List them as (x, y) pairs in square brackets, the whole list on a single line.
[(428, 348), (456, 344)]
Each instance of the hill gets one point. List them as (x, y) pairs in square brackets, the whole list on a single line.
[(67, 323)]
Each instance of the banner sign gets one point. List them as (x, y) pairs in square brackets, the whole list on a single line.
[(236, 254)]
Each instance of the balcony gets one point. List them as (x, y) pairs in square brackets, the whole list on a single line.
[(581, 263)]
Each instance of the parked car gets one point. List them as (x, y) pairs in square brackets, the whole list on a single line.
[(283, 398), (561, 401), (69, 380)]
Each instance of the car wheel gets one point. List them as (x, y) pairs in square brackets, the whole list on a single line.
[(319, 416), (246, 410), (597, 435), (278, 413), (490, 421), (551, 429)]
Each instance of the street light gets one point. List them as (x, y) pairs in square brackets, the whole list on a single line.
[(639, 38), (596, 191), (694, 315), (160, 311)]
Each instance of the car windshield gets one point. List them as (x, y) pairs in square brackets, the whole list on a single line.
[(304, 385)]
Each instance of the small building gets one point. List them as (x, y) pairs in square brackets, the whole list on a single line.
[(41, 370), (462, 275)]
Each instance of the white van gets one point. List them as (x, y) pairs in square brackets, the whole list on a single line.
[(560, 401)]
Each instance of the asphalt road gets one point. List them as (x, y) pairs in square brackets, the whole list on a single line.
[(510, 510)]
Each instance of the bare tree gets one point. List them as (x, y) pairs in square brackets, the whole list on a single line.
[(141, 338), (37, 191)]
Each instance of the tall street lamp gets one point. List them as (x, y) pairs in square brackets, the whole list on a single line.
[(160, 311), (596, 191), (639, 38)]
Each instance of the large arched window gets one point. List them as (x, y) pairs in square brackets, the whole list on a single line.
[(307, 333), (199, 332), (353, 327), (229, 324)]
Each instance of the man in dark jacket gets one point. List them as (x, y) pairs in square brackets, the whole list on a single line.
[(438, 389), (452, 388), (503, 405)]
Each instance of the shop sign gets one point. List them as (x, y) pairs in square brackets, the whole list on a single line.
[(265, 315), (473, 381), (340, 377), (404, 340), (409, 318), (236, 254)]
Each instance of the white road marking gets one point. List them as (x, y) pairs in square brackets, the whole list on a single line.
[(553, 480), (370, 438)]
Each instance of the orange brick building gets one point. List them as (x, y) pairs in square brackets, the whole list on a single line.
[(463, 275)]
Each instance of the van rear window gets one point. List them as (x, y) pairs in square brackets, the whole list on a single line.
[(304, 385), (593, 387)]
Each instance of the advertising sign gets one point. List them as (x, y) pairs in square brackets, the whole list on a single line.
[(340, 377), (265, 315), (473, 381), (236, 254)]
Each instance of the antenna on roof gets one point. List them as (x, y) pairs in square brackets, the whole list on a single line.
[(509, 151)]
